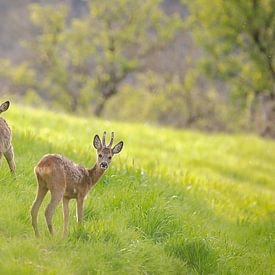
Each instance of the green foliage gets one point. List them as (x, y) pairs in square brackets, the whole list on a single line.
[(100, 63), (238, 37), (176, 202), (21, 76), (172, 100), (239, 42), (80, 61)]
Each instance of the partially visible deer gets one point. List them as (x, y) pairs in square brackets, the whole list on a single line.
[(6, 147), (67, 180)]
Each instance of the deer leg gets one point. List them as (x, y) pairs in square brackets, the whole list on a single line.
[(41, 193), (80, 203), (9, 155), (1, 154), (65, 204), (55, 199)]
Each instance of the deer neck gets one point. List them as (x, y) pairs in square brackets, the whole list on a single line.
[(95, 174)]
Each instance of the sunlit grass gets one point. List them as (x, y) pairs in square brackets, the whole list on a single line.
[(172, 202)]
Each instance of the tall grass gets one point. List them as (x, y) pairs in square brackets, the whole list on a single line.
[(172, 202)]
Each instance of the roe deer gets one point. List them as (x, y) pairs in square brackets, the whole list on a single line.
[(6, 147), (67, 180)]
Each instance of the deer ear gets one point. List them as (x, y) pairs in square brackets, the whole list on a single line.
[(117, 148), (97, 142), (4, 106)]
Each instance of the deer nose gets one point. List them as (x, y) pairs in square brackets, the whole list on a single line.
[(104, 165)]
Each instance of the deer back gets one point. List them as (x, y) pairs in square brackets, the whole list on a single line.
[(58, 171)]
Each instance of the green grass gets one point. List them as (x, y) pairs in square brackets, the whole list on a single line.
[(173, 202)]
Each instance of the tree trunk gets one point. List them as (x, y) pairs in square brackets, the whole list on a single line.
[(77, 6), (268, 116), (100, 107), (105, 96), (74, 104), (251, 111)]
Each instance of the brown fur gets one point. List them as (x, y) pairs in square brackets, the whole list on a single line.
[(6, 147), (67, 180)]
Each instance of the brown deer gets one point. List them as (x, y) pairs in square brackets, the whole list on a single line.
[(67, 180), (6, 147)]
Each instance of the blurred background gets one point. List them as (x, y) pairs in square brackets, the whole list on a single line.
[(206, 65)]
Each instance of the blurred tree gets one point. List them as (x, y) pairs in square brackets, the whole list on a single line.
[(124, 34), (239, 42), (170, 100), (85, 59)]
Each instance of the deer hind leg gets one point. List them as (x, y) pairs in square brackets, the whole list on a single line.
[(9, 155), (55, 199), (41, 193), (65, 203)]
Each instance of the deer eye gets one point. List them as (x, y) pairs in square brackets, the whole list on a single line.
[(110, 157), (100, 155)]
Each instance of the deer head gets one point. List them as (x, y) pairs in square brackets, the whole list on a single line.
[(105, 153)]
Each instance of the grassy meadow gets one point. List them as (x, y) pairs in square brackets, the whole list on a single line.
[(173, 201)]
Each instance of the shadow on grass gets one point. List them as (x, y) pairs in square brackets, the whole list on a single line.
[(235, 174), (197, 253)]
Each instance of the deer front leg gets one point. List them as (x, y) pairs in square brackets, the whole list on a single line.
[(9, 155), (80, 203), (66, 210)]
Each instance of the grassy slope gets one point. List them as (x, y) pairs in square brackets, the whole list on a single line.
[(173, 201)]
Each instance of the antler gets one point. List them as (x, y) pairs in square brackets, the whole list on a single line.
[(112, 140), (103, 139)]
